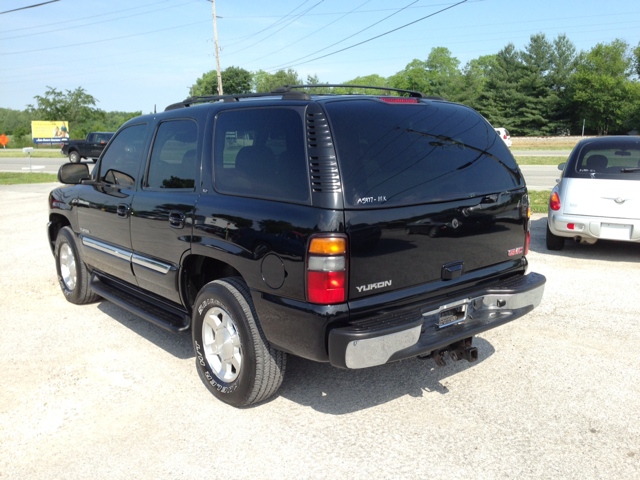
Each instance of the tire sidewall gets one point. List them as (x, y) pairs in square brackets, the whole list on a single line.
[(235, 392), (64, 237), (74, 157)]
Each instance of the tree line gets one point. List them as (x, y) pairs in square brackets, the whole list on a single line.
[(547, 88)]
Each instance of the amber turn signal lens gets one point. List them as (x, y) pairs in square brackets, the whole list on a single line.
[(328, 246)]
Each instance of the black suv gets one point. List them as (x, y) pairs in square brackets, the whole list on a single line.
[(351, 229)]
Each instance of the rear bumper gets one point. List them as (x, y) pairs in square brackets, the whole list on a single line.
[(590, 227), (379, 340)]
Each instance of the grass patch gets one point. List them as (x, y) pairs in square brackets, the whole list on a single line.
[(539, 201), (34, 154), (542, 146), (11, 178), (540, 160)]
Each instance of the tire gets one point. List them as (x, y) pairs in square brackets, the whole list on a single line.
[(225, 324), (554, 242), (74, 157), (73, 276)]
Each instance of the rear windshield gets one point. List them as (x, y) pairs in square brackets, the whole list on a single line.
[(403, 154), (607, 158)]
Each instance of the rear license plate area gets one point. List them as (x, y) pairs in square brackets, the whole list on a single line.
[(453, 315), (614, 231)]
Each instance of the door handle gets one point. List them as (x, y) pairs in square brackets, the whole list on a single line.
[(123, 210), (176, 219)]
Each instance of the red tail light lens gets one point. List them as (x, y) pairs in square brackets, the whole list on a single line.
[(571, 226), (526, 243), (505, 137), (554, 201), (327, 270), (326, 287)]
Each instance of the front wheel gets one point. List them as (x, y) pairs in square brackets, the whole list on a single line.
[(554, 242), (73, 276), (74, 157), (238, 364)]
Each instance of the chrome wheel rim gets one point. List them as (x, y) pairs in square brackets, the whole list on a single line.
[(222, 346), (68, 269)]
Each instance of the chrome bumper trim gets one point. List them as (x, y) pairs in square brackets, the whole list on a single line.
[(377, 351), (491, 307)]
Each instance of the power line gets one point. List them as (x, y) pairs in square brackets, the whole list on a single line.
[(309, 34), (30, 6), (378, 36), (106, 39), (350, 36), (101, 21), (84, 18), (281, 19), (285, 26)]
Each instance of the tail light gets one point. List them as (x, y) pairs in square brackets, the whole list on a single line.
[(327, 269), (554, 201), (526, 242), (505, 137)]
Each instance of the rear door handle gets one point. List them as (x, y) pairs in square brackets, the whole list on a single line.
[(176, 219), (123, 210)]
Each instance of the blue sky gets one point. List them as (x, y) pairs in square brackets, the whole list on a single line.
[(132, 55)]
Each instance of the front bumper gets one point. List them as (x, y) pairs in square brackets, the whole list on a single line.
[(588, 227), (379, 340)]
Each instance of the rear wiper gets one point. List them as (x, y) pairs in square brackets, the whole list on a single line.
[(628, 170)]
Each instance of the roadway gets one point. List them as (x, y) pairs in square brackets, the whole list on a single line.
[(538, 177)]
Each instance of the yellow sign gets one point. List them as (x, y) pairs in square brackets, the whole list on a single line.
[(49, 132)]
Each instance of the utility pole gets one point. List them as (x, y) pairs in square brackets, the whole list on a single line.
[(215, 38)]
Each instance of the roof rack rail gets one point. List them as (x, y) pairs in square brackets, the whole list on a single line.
[(286, 93), (287, 88)]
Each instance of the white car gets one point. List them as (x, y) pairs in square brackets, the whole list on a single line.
[(598, 195), (503, 133)]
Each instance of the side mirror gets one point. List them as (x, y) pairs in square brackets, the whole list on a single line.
[(561, 166), (73, 173)]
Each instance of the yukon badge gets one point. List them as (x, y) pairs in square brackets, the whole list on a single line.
[(373, 286), (515, 251)]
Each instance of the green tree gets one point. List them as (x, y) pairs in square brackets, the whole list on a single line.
[(73, 106), (500, 98), (474, 77), (235, 80), (443, 73), (600, 89), (537, 101), (412, 77), (267, 82)]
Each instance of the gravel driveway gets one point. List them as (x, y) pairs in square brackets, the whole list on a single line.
[(94, 392)]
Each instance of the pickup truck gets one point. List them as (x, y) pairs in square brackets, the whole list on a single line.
[(91, 147)]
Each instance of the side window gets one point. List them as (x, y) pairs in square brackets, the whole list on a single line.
[(121, 161), (173, 158), (260, 152)]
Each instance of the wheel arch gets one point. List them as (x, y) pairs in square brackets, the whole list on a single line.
[(198, 270), (56, 223)]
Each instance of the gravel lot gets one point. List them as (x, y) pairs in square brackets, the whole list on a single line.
[(93, 391)]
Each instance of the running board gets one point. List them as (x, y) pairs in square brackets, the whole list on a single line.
[(156, 312)]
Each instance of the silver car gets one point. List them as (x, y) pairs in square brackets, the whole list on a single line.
[(598, 195)]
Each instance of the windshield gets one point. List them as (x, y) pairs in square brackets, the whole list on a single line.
[(403, 154), (608, 158)]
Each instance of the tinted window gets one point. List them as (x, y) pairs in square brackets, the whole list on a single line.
[(102, 137), (121, 161), (402, 154), (610, 158), (173, 158), (260, 153)]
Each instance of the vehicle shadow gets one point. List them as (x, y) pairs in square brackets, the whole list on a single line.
[(338, 391), (606, 250), (177, 344)]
